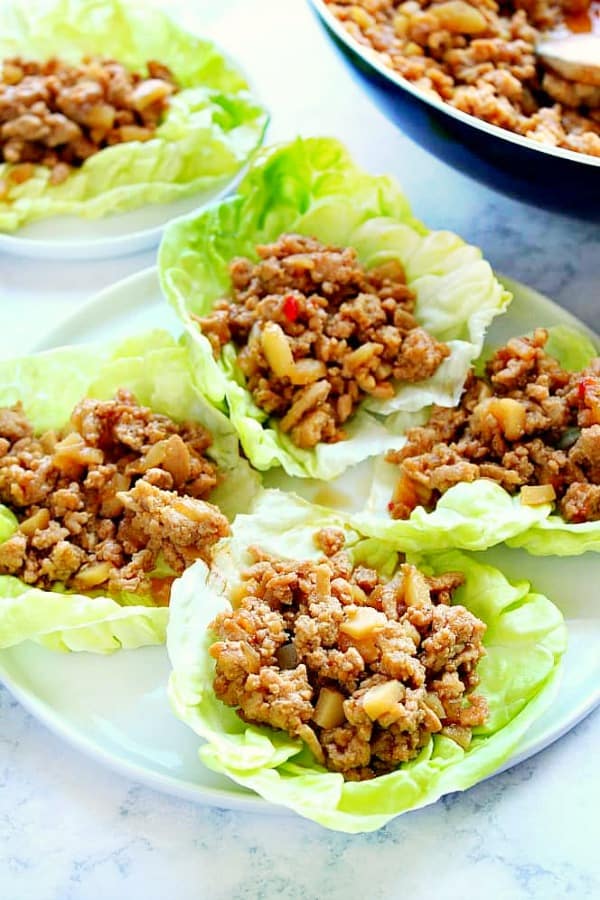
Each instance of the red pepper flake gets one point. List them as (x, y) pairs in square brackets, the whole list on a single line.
[(584, 385), (290, 308)]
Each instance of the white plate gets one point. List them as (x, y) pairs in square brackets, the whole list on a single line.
[(73, 237), (116, 709)]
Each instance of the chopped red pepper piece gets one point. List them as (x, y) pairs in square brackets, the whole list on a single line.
[(582, 387), (588, 390), (290, 308)]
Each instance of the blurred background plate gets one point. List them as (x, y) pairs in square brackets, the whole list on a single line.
[(539, 174)]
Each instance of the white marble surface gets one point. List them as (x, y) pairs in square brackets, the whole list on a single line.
[(71, 830)]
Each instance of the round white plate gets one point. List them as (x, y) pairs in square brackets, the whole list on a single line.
[(73, 237), (116, 709)]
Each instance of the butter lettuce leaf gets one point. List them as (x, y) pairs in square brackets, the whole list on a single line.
[(555, 537), (156, 368), (210, 130), (525, 640), (313, 187), (62, 621), (477, 515)]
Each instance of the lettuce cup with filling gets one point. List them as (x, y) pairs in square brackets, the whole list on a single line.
[(518, 459), (106, 107), (336, 676), (319, 306), (115, 475)]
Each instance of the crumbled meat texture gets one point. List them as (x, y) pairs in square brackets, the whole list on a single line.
[(159, 521), (99, 504), (330, 540), (57, 114), (480, 57), (581, 503), (286, 642), (14, 425), (346, 333), (547, 434)]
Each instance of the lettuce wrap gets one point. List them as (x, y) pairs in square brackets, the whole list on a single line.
[(157, 370), (477, 515), (525, 640), (313, 187), (210, 129)]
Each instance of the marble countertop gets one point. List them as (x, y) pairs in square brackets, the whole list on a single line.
[(72, 830)]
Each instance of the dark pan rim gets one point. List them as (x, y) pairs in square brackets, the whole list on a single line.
[(371, 58)]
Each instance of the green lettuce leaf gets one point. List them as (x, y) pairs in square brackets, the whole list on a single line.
[(313, 187), (572, 348), (555, 537), (210, 130), (478, 515), (62, 621), (157, 369), (525, 640)]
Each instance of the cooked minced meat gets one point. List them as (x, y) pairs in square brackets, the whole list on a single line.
[(99, 503), (317, 333), (479, 56), (528, 423), (58, 114), (361, 668)]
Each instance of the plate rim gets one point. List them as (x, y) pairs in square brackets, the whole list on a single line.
[(116, 246), (170, 784), (43, 712), (105, 298)]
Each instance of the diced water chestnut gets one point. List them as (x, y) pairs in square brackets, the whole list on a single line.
[(329, 711), (536, 494), (510, 415), (93, 575), (35, 522), (382, 699), (459, 734), (416, 589), (459, 17), (362, 621), (277, 350)]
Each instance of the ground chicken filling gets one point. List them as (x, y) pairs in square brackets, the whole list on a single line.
[(363, 669), (102, 503), (529, 425), (57, 114), (317, 333), (479, 56)]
